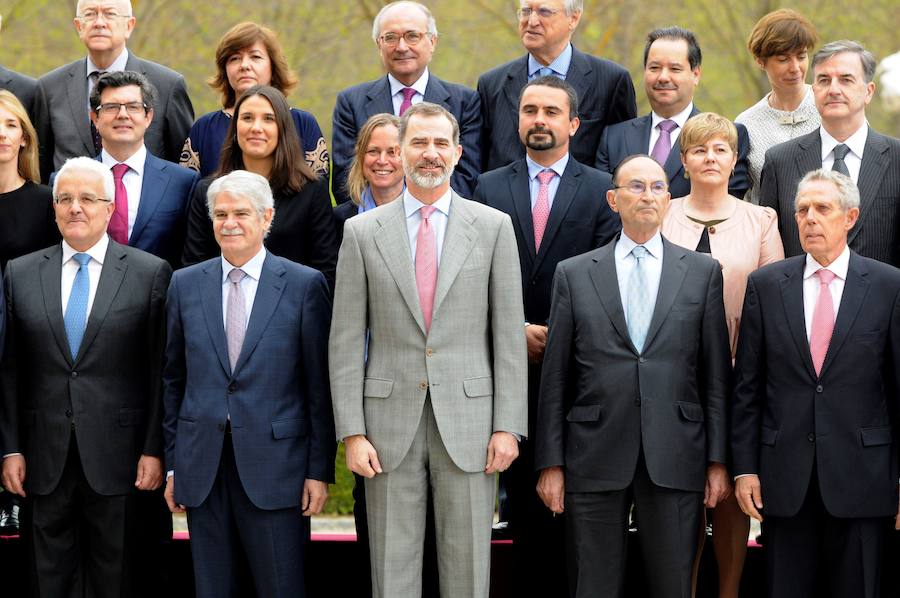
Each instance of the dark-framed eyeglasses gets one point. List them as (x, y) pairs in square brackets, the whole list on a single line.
[(113, 108)]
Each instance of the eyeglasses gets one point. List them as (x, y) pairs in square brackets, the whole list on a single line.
[(639, 187), (83, 200), (113, 108), (543, 12), (90, 16), (412, 38)]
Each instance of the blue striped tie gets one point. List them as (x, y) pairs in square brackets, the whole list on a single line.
[(76, 308)]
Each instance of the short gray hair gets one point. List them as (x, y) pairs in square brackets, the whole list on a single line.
[(89, 165), (845, 45), (573, 6), (848, 193), (243, 184), (376, 23), (125, 2)]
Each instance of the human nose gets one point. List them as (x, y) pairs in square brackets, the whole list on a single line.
[(534, 18)]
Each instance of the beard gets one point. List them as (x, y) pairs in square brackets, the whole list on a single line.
[(427, 181), (530, 143)]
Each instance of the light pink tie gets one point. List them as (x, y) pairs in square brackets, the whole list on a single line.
[(426, 264), (406, 104), (541, 212), (822, 322), (118, 224)]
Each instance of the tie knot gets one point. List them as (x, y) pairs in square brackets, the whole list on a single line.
[(825, 276), (426, 212), (639, 252), (545, 176), (236, 275), (841, 151), (408, 93), (96, 75), (667, 125), (119, 170), (82, 259)]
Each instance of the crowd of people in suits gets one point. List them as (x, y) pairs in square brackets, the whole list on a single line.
[(672, 318)]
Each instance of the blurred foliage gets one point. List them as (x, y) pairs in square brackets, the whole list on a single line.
[(340, 494)]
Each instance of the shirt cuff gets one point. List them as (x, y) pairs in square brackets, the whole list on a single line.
[(169, 474), (11, 455)]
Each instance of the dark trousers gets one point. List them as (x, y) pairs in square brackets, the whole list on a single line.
[(229, 533), (597, 528), (816, 554), (78, 538)]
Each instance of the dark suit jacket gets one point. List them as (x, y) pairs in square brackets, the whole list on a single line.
[(877, 232), (277, 397), (786, 420), (605, 97), (602, 403), (110, 395), (63, 123), (356, 104), (24, 88), (633, 137)]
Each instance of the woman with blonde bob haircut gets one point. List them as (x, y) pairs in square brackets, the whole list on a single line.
[(741, 237)]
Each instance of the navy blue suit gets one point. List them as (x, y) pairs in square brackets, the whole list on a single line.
[(356, 104), (633, 137), (277, 405)]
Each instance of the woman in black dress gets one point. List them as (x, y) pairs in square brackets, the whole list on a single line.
[(263, 140)]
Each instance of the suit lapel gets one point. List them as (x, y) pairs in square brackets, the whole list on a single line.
[(211, 299), (871, 173), (51, 288), (379, 98), (268, 294), (459, 239), (153, 189), (392, 241), (5, 78), (435, 92), (674, 270), (810, 155), (562, 201), (603, 276), (115, 265), (673, 166), (579, 75), (516, 78), (520, 193), (855, 288), (76, 90), (792, 299)]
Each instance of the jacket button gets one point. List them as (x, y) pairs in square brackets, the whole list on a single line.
[(642, 360), (74, 375), (637, 401), (712, 230), (232, 387), (423, 386), (819, 388), (811, 437), (68, 413), (429, 352)]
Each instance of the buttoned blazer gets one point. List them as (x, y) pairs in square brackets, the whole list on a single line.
[(472, 361)]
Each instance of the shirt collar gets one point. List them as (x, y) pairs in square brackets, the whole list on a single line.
[(117, 65), (135, 161), (419, 85), (253, 268), (560, 64), (411, 205), (559, 167), (624, 245), (856, 142), (679, 118), (97, 252), (838, 266)]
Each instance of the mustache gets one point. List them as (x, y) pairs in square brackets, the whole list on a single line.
[(431, 164), (664, 86)]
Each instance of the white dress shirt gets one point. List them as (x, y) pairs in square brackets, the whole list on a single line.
[(117, 65), (679, 119), (249, 284), (625, 263), (438, 221), (70, 269), (559, 167), (811, 285), (133, 180), (397, 90), (853, 159)]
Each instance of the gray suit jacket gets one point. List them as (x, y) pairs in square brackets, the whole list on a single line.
[(22, 87), (877, 232), (472, 361), (63, 123)]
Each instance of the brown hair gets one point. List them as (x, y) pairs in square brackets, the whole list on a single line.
[(701, 128), (240, 37), (781, 31), (428, 109), (356, 182), (290, 171), (28, 155)]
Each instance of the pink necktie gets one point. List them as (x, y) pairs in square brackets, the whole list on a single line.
[(822, 322), (663, 144), (406, 104), (426, 264), (541, 211), (118, 224)]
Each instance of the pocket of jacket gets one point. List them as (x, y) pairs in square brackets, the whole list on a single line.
[(287, 428), (584, 413), (378, 388), (875, 436), (482, 386), (692, 412)]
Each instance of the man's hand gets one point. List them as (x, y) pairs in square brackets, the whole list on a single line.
[(503, 449), (551, 487), (315, 493), (536, 339), (717, 485), (361, 456), (749, 495), (149, 473), (170, 496), (14, 474)]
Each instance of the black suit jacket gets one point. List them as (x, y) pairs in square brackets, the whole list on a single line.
[(24, 88), (877, 232), (633, 137), (605, 96), (786, 420), (110, 395), (356, 104), (602, 403)]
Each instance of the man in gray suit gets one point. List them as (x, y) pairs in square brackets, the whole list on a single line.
[(61, 105), (634, 392), (428, 365), (843, 85)]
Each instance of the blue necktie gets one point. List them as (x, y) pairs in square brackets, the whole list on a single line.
[(76, 309), (639, 309)]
